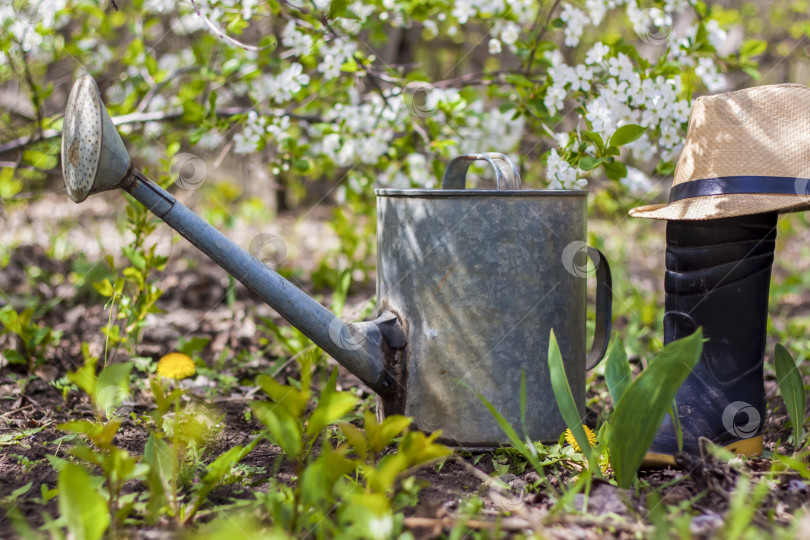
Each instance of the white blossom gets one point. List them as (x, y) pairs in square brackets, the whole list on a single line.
[(596, 9), (334, 56), (669, 138), (510, 33), (300, 44), (711, 77), (463, 10), (621, 67), (575, 20), (596, 53), (560, 173), (247, 8), (494, 46), (252, 133), (637, 182)]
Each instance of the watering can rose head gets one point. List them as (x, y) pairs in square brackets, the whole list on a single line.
[(94, 157)]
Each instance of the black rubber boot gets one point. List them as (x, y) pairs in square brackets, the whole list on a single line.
[(718, 276)]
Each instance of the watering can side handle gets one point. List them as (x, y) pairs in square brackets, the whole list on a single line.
[(604, 308), (507, 175)]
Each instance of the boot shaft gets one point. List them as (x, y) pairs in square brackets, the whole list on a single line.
[(718, 277)]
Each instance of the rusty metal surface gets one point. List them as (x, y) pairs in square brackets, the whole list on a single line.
[(479, 278)]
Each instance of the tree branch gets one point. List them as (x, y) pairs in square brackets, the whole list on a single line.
[(530, 61), (222, 35), (158, 116)]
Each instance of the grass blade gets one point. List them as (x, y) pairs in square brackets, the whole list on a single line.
[(618, 375), (565, 400), (643, 405), (791, 386), (512, 435), (523, 404)]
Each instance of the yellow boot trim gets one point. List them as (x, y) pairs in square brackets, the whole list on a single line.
[(745, 447)]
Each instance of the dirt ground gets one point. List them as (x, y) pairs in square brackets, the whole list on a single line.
[(194, 305)]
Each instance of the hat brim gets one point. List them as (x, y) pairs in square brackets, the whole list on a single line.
[(723, 206)]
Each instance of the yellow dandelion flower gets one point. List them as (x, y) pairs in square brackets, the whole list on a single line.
[(176, 366), (569, 438)]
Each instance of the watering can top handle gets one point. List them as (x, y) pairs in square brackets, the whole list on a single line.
[(507, 175)]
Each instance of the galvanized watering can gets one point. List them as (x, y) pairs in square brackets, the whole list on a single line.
[(470, 283)]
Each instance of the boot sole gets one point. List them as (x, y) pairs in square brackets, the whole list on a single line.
[(746, 447)]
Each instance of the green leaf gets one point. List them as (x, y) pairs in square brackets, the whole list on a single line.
[(615, 170), (626, 134), (595, 139), (78, 426), (337, 8), (803, 469), (753, 47), (284, 428), (160, 458), (791, 386), (381, 477), (356, 438), (420, 448), (81, 505), (225, 462), (589, 163), (643, 405), (112, 387), (618, 375), (517, 79), (565, 400), (752, 72), (14, 495), (40, 160), (104, 288), (380, 435), (14, 357), (135, 257), (217, 471), (288, 397), (664, 168), (10, 319), (332, 407)]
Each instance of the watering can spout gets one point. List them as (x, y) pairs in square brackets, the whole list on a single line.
[(94, 159)]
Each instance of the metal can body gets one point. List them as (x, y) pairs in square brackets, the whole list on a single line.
[(480, 278)]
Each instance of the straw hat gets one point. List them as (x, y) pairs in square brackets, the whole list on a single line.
[(746, 152)]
